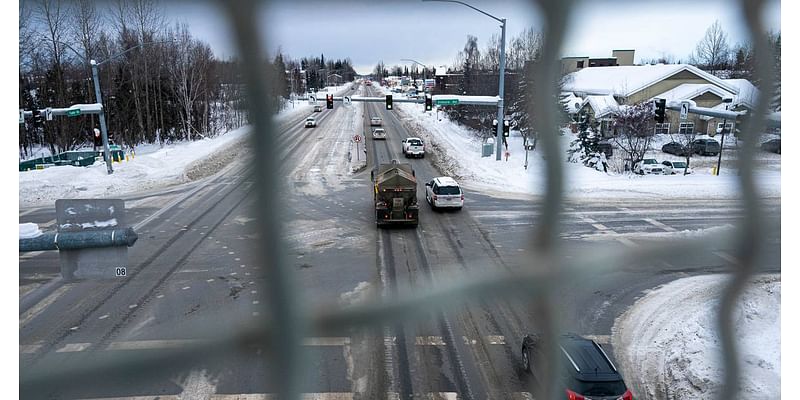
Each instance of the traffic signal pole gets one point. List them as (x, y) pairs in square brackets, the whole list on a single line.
[(500, 115), (102, 116)]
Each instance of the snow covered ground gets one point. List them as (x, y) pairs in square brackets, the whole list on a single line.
[(154, 166), (667, 345), (457, 152)]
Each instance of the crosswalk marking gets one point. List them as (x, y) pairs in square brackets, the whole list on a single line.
[(660, 225), (326, 341), (314, 396), (73, 347), (152, 344), (727, 257), (29, 348)]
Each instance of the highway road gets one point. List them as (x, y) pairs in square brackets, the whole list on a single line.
[(194, 266)]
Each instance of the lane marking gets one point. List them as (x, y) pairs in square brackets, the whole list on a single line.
[(601, 339), (30, 254), (152, 344), (326, 341), (660, 225), (29, 348), (73, 347), (727, 257), (429, 341), (311, 396)]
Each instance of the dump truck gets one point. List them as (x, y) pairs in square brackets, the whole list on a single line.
[(395, 187)]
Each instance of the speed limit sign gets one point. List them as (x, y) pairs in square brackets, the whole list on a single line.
[(356, 138)]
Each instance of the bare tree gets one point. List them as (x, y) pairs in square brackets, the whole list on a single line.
[(712, 51), (634, 127), (188, 67)]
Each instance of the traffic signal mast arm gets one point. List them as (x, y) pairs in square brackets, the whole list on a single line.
[(72, 111), (772, 119)]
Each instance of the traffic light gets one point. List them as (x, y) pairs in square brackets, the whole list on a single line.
[(38, 120), (494, 127), (506, 127), (388, 102), (98, 140), (661, 109), (428, 103), (329, 101)]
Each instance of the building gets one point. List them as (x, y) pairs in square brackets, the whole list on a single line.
[(618, 58), (598, 92)]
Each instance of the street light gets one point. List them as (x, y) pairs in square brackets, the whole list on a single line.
[(424, 70), (98, 96), (502, 63), (727, 102)]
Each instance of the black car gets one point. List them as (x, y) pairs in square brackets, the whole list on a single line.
[(586, 371), (706, 147), (674, 148), (772, 146)]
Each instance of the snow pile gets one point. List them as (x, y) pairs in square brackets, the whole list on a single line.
[(456, 151), (668, 347), (29, 230)]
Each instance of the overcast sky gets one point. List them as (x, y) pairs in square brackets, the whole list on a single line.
[(433, 33)]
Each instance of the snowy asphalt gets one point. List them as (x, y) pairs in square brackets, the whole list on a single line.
[(194, 264)]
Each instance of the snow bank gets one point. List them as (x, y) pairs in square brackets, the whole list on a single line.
[(29, 230), (667, 346), (457, 152)]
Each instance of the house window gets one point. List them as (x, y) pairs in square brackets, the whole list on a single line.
[(728, 127), (662, 128), (686, 128), (580, 64), (605, 127)]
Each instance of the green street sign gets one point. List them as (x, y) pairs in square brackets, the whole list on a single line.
[(448, 102), (74, 112)]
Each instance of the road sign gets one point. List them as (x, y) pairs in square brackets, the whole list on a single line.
[(48, 114), (73, 112), (684, 109), (347, 100), (357, 138), (447, 102), (312, 99)]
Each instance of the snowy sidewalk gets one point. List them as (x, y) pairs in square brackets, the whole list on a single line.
[(667, 345)]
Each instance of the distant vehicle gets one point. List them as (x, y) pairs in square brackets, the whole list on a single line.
[(317, 108), (706, 147), (375, 121), (395, 189), (676, 167), (444, 192), (675, 148), (650, 166), (379, 133), (413, 147), (586, 370), (369, 83), (772, 146), (311, 122)]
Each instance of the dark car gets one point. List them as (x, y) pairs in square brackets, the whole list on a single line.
[(772, 146), (706, 147), (586, 371), (674, 148)]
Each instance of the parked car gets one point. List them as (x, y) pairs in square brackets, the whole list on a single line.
[(317, 108), (772, 146), (444, 192), (311, 122), (706, 147), (649, 166), (378, 133), (375, 121), (413, 147), (605, 147), (586, 370), (675, 148), (676, 167)]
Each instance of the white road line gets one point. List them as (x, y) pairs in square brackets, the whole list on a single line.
[(602, 227), (73, 347), (727, 257), (660, 225), (152, 344), (496, 339), (29, 348), (30, 254), (311, 396), (326, 341), (429, 341), (627, 242)]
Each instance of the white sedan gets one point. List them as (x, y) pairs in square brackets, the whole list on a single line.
[(676, 167)]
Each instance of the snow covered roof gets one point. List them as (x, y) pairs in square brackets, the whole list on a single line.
[(748, 93), (688, 91), (627, 80), (571, 102), (601, 104)]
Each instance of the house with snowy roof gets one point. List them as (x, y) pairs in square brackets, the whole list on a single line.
[(598, 92)]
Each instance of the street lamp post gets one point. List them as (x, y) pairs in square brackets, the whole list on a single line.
[(501, 83), (424, 70), (727, 102)]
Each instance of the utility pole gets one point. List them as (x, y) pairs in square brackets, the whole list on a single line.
[(722, 140)]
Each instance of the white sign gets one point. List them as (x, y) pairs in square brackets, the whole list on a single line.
[(347, 100), (48, 114), (684, 109), (312, 99)]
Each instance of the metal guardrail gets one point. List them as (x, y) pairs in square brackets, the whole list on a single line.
[(538, 282)]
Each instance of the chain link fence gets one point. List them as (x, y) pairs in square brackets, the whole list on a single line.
[(290, 321)]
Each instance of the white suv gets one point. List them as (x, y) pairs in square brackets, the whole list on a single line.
[(311, 122), (444, 192), (413, 147), (650, 166)]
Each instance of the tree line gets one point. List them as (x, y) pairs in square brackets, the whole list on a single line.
[(158, 82)]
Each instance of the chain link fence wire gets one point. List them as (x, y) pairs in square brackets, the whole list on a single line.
[(289, 320)]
